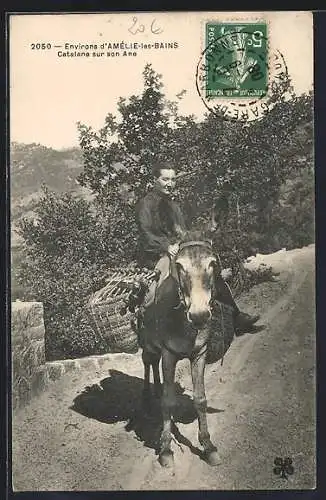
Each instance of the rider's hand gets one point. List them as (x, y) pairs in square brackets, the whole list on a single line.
[(173, 249)]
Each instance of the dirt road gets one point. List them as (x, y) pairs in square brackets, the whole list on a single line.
[(88, 431)]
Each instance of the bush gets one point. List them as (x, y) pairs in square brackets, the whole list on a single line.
[(68, 252), (293, 216)]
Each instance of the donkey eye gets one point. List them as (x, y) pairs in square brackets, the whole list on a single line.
[(210, 268), (208, 278), (179, 267), (213, 266)]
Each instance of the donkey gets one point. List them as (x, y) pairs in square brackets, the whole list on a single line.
[(179, 325)]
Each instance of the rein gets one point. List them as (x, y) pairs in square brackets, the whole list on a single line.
[(182, 300)]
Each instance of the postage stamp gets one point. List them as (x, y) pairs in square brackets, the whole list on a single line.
[(236, 59), (238, 70)]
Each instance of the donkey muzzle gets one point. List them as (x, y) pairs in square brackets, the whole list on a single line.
[(199, 318)]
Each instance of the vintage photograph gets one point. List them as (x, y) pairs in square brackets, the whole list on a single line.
[(162, 251)]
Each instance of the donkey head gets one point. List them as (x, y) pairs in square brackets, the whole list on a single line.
[(197, 269)]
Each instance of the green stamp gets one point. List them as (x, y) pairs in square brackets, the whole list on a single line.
[(235, 60)]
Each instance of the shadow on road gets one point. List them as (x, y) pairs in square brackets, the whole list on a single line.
[(118, 398)]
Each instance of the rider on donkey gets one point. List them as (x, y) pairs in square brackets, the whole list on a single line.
[(161, 226)]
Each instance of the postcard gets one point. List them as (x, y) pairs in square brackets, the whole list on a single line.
[(163, 251)]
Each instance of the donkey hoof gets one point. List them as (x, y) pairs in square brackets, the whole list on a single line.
[(166, 459), (212, 458)]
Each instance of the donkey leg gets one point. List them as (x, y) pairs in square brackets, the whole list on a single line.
[(146, 396), (198, 362), (169, 362), (157, 379)]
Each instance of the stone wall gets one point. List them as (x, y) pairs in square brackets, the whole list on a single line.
[(31, 374), (28, 350)]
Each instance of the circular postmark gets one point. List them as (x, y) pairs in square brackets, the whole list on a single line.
[(235, 75)]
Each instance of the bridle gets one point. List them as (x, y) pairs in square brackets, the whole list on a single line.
[(195, 243), (213, 301)]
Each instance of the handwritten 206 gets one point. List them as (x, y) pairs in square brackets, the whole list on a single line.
[(138, 27)]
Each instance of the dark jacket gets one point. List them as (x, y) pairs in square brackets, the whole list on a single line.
[(160, 223)]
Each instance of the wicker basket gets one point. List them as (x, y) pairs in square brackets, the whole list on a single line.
[(112, 327), (104, 311)]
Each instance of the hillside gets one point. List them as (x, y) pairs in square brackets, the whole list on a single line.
[(31, 166)]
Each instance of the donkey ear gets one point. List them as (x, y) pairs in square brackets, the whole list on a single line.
[(210, 225)]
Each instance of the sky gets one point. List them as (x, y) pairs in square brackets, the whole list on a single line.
[(50, 94)]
